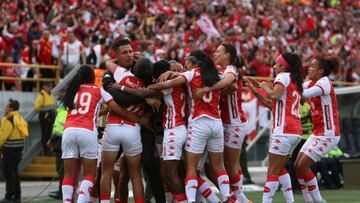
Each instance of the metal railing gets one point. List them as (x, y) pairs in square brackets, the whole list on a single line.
[(32, 147), (37, 79)]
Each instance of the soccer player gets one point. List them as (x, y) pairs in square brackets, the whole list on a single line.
[(82, 99), (232, 116), (120, 131), (285, 94), (205, 127), (175, 131), (325, 117)]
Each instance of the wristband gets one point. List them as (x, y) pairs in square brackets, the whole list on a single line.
[(122, 88)]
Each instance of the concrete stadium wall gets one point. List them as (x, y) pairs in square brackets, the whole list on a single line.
[(26, 100)]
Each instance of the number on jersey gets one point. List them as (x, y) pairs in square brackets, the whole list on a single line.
[(207, 97), (83, 104), (295, 105)]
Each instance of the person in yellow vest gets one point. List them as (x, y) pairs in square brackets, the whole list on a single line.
[(55, 144), (13, 131), (45, 104)]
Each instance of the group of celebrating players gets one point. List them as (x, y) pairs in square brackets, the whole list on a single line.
[(202, 116)]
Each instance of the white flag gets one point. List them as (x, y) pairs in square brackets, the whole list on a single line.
[(207, 26)]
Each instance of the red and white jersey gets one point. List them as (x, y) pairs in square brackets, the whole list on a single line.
[(207, 106), (175, 104), (230, 104), (324, 109), (127, 79), (87, 101), (286, 117)]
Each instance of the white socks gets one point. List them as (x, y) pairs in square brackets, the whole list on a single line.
[(205, 191), (191, 185), (270, 188), (85, 189), (312, 186), (224, 184), (285, 182), (67, 189)]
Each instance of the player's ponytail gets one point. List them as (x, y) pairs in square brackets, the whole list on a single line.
[(85, 75), (295, 69), (234, 59), (328, 64), (209, 73)]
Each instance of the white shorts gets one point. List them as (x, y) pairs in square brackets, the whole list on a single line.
[(125, 135), (316, 147), (99, 154), (79, 143), (283, 144), (173, 142), (234, 136), (203, 132)]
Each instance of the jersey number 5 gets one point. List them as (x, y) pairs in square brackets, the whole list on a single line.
[(83, 104), (295, 105)]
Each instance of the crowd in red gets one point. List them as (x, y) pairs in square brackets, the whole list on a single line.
[(70, 32)]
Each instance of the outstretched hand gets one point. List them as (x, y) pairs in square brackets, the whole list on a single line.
[(253, 81), (266, 85), (165, 76), (154, 103), (249, 84)]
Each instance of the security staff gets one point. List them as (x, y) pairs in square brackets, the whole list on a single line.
[(45, 104), (55, 144), (13, 131)]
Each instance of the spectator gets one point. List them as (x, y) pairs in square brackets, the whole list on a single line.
[(98, 49), (9, 35), (89, 52), (55, 40), (34, 32), (44, 104), (29, 56), (173, 55), (9, 71), (71, 53), (13, 130), (45, 54)]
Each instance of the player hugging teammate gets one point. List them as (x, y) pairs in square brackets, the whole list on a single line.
[(203, 126)]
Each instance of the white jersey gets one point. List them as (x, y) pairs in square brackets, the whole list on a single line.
[(286, 118), (71, 52), (230, 104), (324, 110)]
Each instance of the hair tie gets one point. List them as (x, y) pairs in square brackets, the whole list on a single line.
[(280, 59)]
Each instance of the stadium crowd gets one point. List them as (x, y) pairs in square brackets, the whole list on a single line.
[(283, 38), (73, 32)]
